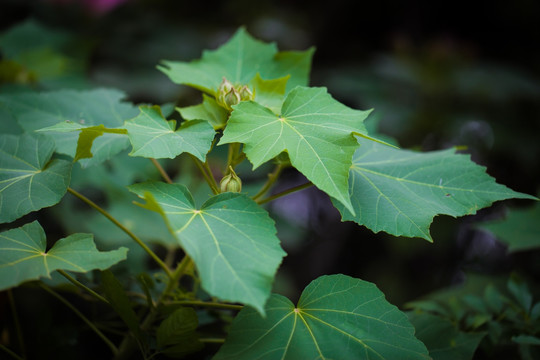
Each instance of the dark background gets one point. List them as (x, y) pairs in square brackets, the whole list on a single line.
[(438, 74)]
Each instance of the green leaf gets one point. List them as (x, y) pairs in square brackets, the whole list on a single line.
[(520, 230), (87, 136), (239, 60), (313, 128), (177, 333), (208, 110), (443, 340), (36, 111), (119, 301), (337, 317), (270, 93), (29, 178), (231, 239), (400, 191), (23, 256), (526, 340), (153, 137)]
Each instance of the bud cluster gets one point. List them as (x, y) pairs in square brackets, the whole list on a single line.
[(229, 95)]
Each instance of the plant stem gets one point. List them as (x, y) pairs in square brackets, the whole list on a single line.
[(123, 228), (11, 353), (285, 192), (17, 324), (161, 171), (207, 173), (82, 286), (81, 316), (271, 180), (206, 304), (212, 340)]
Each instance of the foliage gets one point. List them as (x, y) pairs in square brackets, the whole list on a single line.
[(222, 253)]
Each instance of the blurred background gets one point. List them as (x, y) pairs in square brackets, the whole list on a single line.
[(438, 75)]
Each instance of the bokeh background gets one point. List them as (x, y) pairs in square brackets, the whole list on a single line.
[(438, 75)]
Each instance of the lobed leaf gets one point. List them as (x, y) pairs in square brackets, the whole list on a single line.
[(231, 239), (239, 60), (314, 129), (29, 179), (400, 191), (89, 108), (208, 110), (23, 255), (337, 317), (153, 137)]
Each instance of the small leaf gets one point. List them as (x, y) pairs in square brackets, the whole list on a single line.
[(313, 128), (177, 333), (23, 256), (119, 301), (443, 340), (231, 239), (35, 111), (400, 191), (153, 137), (29, 179), (337, 317), (238, 61), (520, 230), (208, 110), (526, 340)]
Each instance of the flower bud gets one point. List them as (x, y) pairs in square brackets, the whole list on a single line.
[(245, 94), (231, 182), (231, 98)]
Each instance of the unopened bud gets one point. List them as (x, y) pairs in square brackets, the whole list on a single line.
[(231, 182), (245, 93)]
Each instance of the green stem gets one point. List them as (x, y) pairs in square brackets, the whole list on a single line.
[(82, 286), (203, 168), (271, 180), (123, 228), (17, 324), (11, 353), (161, 171), (81, 316), (285, 192), (212, 340), (206, 304)]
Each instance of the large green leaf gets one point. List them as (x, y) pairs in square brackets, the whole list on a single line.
[(520, 230), (23, 255), (313, 128), (337, 317), (400, 191), (35, 111), (443, 340), (239, 60), (230, 238), (29, 179), (153, 137)]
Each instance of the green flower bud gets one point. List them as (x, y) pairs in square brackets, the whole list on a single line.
[(231, 182), (245, 93), (231, 98)]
